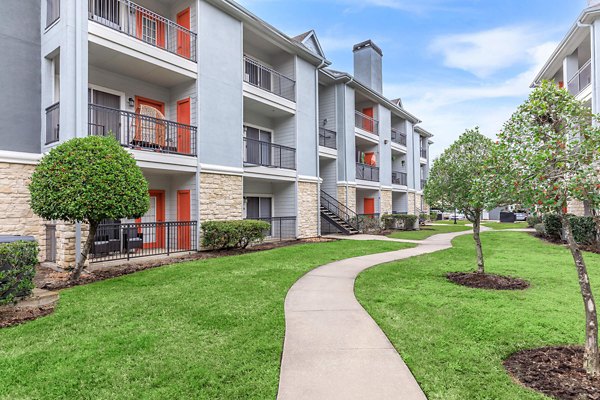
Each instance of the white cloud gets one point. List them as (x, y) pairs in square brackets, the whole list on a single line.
[(412, 6)]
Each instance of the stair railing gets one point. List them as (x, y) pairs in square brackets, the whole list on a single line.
[(340, 210)]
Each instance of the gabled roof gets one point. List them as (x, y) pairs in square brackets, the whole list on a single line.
[(310, 41)]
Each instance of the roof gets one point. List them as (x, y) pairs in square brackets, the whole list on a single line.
[(311, 42), (421, 131)]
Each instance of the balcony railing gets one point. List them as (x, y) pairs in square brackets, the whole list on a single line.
[(52, 11), (142, 132), (399, 178), (118, 241), (267, 154), (268, 79), (367, 172), (145, 25), (423, 183), (327, 138), (398, 137), (52, 123), (282, 228), (423, 153), (366, 123), (581, 80)]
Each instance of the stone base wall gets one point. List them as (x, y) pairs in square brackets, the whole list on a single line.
[(66, 256), (351, 204), (411, 203), (16, 217), (576, 207), (308, 210), (386, 206), (221, 197)]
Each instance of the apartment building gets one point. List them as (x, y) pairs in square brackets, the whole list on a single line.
[(227, 117), (575, 65)]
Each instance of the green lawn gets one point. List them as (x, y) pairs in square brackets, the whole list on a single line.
[(454, 338), (501, 226), (427, 231), (208, 329)]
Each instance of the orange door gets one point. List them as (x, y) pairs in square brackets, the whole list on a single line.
[(154, 234), (370, 159), (369, 206), (150, 131), (184, 237), (183, 37), (368, 123), (183, 132), (150, 28)]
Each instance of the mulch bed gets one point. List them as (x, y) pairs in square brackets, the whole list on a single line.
[(487, 281), (16, 316), (555, 371), (50, 279)]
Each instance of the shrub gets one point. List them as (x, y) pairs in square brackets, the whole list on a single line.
[(219, 235), (533, 220), (540, 230), (17, 269), (552, 226), (399, 221), (584, 229), (369, 224)]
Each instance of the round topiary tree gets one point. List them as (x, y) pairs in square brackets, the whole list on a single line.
[(88, 180)]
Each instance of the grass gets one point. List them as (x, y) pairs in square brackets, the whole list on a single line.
[(503, 225), (453, 338), (209, 329), (427, 231)]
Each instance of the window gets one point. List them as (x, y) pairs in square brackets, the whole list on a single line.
[(258, 146), (259, 208)]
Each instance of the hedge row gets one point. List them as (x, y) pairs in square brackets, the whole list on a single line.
[(17, 269), (584, 228), (220, 235), (399, 221)]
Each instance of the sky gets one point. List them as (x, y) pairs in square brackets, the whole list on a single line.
[(456, 64)]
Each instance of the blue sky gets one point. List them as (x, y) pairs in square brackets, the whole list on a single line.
[(455, 63)]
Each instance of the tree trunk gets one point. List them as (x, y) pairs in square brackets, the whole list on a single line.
[(76, 274), (596, 218), (591, 359), (477, 238)]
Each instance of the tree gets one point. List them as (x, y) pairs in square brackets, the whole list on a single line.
[(460, 179), (552, 147), (88, 180)]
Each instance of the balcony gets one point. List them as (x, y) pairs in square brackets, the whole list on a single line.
[(424, 153), (145, 25), (423, 182), (367, 172), (265, 78), (399, 178), (366, 123), (581, 80), (327, 138), (142, 132), (52, 123), (281, 228), (399, 137), (267, 154)]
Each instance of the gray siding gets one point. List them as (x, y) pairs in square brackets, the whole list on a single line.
[(327, 108), (284, 200), (328, 172), (20, 80), (385, 150)]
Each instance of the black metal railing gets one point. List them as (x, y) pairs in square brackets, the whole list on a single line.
[(399, 178), (267, 154), (145, 25), (53, 123), (268, 79), (282, 228), (339, 209), (119, 241), (398, 137), (367, 172), (52, 11), (327, 138), (142, 132), (366, 123), (581, 80), (423, 153)]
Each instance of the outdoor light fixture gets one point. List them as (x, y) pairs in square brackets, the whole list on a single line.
[(385, 141), (131, 102)]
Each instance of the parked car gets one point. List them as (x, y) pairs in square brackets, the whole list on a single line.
[(457, 216), (521, 215)]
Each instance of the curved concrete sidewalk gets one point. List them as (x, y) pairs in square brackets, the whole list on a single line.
[(333, 349)]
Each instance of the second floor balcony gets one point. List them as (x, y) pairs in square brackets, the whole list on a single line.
[(52, 123), (398, 137), (145, 25), (423, 153), (327, 138), (366, 123), (423, 183), (367, 172), (266, 78), (399, 178), (581, 80), (142, 131), (268, 154)]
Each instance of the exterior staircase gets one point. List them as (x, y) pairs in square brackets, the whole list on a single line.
[(338, 215)]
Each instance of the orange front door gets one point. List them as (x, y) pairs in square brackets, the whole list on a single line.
[(183, 37), (370, 159), (150, 28), (149, 131), (369, 206), (184, 237), (183, 132), (154, 229), (368, 123)]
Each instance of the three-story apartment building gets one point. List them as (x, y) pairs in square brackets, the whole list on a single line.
[(227, 117)]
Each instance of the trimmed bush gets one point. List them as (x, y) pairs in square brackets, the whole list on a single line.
[(553, 226), (370, 224), (17, 269), (584, 229), (220, 235), (399, 221), (533, 220), (540, 230)]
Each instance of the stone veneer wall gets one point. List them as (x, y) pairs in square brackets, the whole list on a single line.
[(576, 207), (351, 196), (16, 217), (386, 206), (221, 197), (65, 243), (411, 202), (308, 207)]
